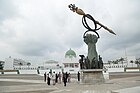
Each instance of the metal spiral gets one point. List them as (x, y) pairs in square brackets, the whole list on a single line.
[(85, 24)]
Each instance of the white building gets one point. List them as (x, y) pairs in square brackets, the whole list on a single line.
[(131, 61), (8, 65), (15, 63), (51, 65), (71, 62)]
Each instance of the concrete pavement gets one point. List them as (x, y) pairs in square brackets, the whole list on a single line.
[(34, 85)]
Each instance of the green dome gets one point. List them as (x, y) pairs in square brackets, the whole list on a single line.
[(70, 54)]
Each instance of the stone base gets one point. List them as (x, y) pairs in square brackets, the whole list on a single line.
[(92, 76)]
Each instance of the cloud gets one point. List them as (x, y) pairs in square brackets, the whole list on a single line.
[(7, 10), (49, 28)]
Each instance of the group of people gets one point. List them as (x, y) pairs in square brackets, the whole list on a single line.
[(57, 78)]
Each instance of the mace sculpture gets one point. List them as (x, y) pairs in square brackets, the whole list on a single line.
[(92, 65)]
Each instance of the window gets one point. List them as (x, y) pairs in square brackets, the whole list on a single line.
[(65, 65), (76, 65), (72, 65)]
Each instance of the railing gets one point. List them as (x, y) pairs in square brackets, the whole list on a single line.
[(131, 68), (2, 71)]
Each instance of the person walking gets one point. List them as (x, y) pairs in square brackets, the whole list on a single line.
[(53, 78), (65, 79), (59, 77), (48, 78), (45, 77), (69, 77), (56, 78), (78, 76)]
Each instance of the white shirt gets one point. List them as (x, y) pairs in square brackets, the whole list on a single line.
[(53, 76)]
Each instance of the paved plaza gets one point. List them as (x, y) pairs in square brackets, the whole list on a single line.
[(118, 83)]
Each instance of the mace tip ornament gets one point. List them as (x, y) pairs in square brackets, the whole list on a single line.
[(76, 9)]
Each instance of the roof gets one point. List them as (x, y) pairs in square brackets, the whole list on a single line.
[(51, 61), (70, 54)]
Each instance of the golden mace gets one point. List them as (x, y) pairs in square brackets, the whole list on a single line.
[(81, 12)]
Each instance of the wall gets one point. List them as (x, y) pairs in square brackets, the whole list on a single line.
[(8, 64), (115, 69)]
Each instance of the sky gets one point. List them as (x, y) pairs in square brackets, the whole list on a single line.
[(46, 29)]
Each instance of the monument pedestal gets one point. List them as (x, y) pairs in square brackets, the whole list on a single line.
[(92, 76)]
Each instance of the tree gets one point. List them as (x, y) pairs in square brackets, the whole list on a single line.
[(132, 62), (137, 62), (28, 64), (109, 62), (115, 62), (121, 60), (1, 65), (20, 64)]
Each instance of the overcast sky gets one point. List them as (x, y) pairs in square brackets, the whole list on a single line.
[(47, 28)]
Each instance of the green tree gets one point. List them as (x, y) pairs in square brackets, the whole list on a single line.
[(1, 65), (109, 62), (137, 62), (28, 64), (20, 64), (121, 60), (115, 62), (132, 62)]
